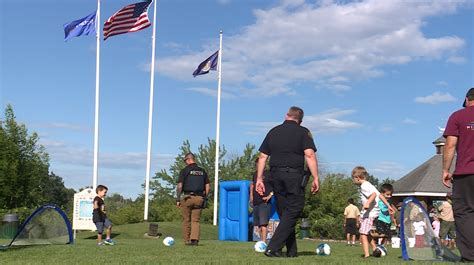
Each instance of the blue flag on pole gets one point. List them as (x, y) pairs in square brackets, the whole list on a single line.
[(80, 27), (207, 65)]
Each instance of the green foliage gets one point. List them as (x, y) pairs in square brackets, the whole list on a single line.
[(326, 210), (163, 184), (25, 181), (22, 213)]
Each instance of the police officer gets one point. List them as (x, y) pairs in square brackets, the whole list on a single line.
[(193, 188), (288, 145)]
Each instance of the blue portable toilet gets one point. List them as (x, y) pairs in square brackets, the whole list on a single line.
[(234, 210)]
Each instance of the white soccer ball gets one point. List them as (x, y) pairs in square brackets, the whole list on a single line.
[(260, 246), (323, 250), (383, 250), (380, 251), (168, 241)]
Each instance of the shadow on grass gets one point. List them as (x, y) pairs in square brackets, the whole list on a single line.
[(306, 253), (94, 237), (15, 248)]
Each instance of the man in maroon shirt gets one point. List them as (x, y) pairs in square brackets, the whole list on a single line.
[(459, 135)]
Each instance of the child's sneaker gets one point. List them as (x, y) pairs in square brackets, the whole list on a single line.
[(109, 242), (100, 244)]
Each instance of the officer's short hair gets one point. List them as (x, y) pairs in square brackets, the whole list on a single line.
[(296, 113), (360, 172), (350, 200), (189, 156)]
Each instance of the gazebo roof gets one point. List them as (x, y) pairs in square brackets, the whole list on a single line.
[(425, 180)]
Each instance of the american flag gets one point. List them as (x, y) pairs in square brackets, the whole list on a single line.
[(131, 18)]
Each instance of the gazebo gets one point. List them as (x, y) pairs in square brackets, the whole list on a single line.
[(424, 182)]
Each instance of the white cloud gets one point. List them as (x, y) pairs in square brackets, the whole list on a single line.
[(409, 121), (387, 169), (456, 60), (62, 125), (435, 98), (70, 154), (385, 128), (442, 83), (329, 44), (325, 122), (211, 92), (223, 2)]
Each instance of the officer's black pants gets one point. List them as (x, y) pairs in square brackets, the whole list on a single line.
[(290, 203), (463, 207)]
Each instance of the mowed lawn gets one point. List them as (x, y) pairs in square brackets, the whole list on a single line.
[(133, 248)]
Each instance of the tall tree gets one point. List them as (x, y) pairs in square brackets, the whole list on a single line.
[(24, 168)]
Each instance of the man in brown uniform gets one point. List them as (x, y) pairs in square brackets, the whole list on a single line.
[(193, 187), (447, 226)]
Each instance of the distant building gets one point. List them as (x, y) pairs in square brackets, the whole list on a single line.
[(424, 182)]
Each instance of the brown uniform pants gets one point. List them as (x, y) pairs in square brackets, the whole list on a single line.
[(191, 210)]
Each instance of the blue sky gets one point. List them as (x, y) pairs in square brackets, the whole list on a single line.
[(376, 79)]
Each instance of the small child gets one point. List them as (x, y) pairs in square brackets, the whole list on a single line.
[(385, 219), (419, 226), (351, 221), (262, 206), (369, 196), (99, 216), (436, 225)]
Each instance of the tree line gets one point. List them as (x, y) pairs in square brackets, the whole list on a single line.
[(26, 183), (25, 179)]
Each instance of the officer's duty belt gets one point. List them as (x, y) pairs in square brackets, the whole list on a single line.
[(287, 169), (193, 193)]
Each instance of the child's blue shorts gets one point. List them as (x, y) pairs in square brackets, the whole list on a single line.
[(101, 225)]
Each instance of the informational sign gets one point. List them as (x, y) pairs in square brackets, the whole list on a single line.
[(83, 206)]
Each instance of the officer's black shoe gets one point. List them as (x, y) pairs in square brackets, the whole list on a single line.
[(273, 254), (194, 242)]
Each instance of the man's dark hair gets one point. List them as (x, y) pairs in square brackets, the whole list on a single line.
[(386, 187), (470, 96), (296, 113), (100, 188), (350, 200), (189, 156)]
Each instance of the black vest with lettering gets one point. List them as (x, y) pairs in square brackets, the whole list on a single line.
[(194, 179)]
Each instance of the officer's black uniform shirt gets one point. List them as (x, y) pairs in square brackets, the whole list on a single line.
[(257, 198), (193, 178), (286, 143), (98, 215)]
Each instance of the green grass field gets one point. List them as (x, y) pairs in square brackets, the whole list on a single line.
[(133, 248)]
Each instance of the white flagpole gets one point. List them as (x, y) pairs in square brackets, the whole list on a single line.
[(150, 115), (216, 166), (96, 123)]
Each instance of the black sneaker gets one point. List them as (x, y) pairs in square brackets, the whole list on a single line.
[(273, 254)]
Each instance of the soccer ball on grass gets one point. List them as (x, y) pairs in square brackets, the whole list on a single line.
[(323, 250), (260, 246), (168, 241), (380, 251)]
